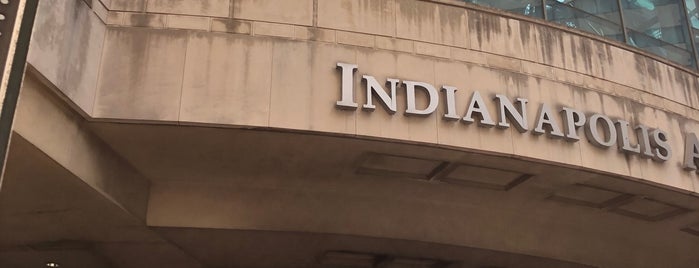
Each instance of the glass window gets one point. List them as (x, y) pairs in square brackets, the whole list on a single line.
[(661, 48), (693, 13), (530, 8), (659, 27), (600, 17), (693, 16)]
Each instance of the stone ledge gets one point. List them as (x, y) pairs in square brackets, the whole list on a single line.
[(314, 34), (273, 29), (395, 44), (231, 26), (144, 20), (428, 49), (356, 39), (188, 22)]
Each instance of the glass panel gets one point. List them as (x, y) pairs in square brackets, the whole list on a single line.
[(656, 26), (695, 35), (659, 19), (661, 48), (527, 7), (693, 13), (693, 16), (600, 17)]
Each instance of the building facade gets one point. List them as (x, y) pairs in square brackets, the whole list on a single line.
[(355, 133)]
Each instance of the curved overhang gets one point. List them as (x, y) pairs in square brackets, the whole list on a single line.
[(250, 72)]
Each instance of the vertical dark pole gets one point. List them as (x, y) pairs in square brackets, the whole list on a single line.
[(11, 37), (690, 33), (543, 9), (622, 21)]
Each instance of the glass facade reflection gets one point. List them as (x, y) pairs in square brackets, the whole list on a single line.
[(668, 28), (530, 8), (600, 17), (693, 18)]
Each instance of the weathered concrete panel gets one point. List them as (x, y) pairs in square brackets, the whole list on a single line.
[(301, 75), (226, 80), (495, 34), (368, 16), (214, 8), (428, 22), (127, 5), (458, 134), (379, 123), (66, 48), (142, 73), (283, 11)]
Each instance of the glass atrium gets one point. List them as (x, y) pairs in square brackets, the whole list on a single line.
[(668, 28)]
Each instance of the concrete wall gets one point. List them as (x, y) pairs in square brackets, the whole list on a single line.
[(271, 64)]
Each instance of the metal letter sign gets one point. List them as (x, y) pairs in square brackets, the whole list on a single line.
[(600, 129), (16, 20)]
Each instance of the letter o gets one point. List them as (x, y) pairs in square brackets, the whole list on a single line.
[(607, 139)]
